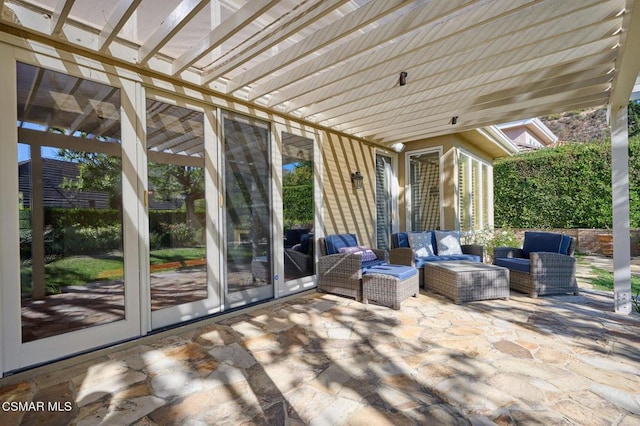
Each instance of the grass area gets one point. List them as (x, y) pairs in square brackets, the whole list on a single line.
[(604, 280), (79, 270), (176, 255)]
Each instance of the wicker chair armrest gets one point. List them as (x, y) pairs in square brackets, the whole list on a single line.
[(380, 254), (475, 249), (551, 261), (507, 252), (298, 257), (342, 265), (401, 256)]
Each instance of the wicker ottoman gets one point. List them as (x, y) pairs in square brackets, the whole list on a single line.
[(464, 281), (390, 285)]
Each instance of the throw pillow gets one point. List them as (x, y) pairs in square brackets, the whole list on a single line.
[(420, 242), (367, 253), (448, 243)]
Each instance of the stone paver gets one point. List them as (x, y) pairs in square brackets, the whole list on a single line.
[(328, 360)]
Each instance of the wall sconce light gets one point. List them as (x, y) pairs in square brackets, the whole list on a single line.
[(454, 120), (403, 78), (356, 180)]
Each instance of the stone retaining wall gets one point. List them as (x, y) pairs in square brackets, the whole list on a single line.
[(588, 239)]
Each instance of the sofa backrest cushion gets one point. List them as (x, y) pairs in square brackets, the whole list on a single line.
[(400, 239), (541, 241), (565, 246), (304, 243), (294, 236), (335, 242), (448, 242), (421, 243)]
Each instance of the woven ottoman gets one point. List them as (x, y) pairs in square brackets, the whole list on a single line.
[(464, 281), (390, 285)]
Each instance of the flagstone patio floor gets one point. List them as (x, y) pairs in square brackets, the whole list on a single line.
[(320, 359)]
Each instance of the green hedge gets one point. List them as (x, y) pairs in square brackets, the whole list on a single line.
[(298, 204), (567, 186)]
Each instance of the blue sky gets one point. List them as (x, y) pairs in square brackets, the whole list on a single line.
[(24, 152)]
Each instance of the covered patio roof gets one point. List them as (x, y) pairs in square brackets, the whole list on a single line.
[(338, 63)]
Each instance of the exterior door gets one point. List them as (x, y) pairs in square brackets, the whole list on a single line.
[(295, 195), (248, 252), (424, 183), (181, 276), (73, 182)]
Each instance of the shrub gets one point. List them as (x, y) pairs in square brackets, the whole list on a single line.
[(177, 235), (91, 240), (492, 238), (567, 186)]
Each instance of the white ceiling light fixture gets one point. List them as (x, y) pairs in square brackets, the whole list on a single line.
[(398, 147)]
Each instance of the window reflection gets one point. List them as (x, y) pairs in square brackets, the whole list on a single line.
[(247, 209), (176, 202), (70, 184), (297, 206)]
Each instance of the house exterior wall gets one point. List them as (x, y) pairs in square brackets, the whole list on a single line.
[(449, 145), (346, 210)]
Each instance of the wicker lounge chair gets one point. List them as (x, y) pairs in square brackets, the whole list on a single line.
[(544, 265), (341, 273)]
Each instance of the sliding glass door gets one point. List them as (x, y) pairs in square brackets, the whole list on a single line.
[(297, 217), (76, 197), (181, 282), (248, 219)]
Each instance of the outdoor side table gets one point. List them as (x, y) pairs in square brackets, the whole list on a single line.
[(464, 281), (390, 285)]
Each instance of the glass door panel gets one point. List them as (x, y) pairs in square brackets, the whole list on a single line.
[(298, 207), (176, 206), (75, 290), (424, 178), (247, 209), (70, 181)]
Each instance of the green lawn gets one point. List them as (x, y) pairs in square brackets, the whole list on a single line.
[(157, 257), (604, 280), (79, 270)]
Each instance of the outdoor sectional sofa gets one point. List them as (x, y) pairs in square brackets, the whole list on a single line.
[(438, 248), (544, 265)]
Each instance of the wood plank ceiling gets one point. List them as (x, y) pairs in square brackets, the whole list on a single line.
[(338, 63)]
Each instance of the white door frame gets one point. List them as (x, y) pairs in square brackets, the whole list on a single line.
[(286, 288), (212, 304), (407, 182), (15, 354)]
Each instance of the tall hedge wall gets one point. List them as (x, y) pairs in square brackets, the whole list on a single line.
[(567, 186)]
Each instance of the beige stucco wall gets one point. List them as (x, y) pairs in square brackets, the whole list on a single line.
[(346, 210)]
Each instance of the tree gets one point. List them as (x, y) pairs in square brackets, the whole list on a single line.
[(634, 118), (170, 182), (297, 193), (103, 173), (96, 172)]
